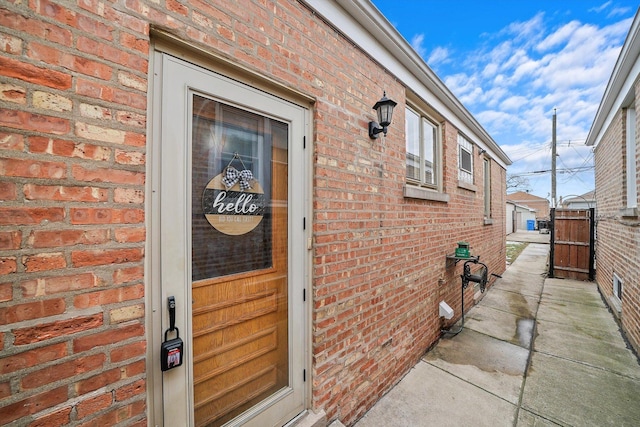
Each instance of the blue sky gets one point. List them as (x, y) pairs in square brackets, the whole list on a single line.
[(511, 63)]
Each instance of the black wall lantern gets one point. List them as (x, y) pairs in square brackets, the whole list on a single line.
[(384, 108)]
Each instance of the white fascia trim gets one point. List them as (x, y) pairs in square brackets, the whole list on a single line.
[(364, 25), (620, 83)]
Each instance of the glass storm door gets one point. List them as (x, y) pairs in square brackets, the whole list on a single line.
[(228, 251)]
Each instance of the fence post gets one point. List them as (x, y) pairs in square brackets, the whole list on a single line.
[(552, 240), (592, 243)]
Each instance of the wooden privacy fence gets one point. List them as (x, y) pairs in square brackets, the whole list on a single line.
[(572, 244)]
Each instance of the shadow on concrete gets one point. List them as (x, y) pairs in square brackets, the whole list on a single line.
[(533, 352)]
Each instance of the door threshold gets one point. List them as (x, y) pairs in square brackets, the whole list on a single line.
[(309, 418)]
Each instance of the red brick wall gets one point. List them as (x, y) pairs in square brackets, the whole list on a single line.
[(381, 269), (618, 237), (72, 164), (73, 102)]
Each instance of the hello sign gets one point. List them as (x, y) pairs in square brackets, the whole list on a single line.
[(234, 202)]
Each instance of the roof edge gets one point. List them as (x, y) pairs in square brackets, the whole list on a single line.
[(377, 26)]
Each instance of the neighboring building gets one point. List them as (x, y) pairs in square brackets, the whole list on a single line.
[(519, 217), (539, 204), (614, 134), (217, 153), (583, 201)]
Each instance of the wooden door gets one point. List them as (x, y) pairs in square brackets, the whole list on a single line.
[(228, 248), (572, 244)]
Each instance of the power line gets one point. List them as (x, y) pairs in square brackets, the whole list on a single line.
[(535, 149), (564, 170), (574, 174)]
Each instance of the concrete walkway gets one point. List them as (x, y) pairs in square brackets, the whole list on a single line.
[(529, 236), (533, 352)]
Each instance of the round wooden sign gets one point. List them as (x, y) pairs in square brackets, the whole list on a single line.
[(233, 206)]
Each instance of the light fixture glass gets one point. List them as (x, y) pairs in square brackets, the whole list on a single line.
[(384, 109)]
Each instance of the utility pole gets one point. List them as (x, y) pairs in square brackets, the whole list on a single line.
[(553, 161)]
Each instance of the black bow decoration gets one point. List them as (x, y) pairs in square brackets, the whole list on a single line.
[(233, 175)]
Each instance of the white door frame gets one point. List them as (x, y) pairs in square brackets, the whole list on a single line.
[(160, 278)]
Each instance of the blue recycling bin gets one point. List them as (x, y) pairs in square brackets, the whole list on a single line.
[(531, 224)]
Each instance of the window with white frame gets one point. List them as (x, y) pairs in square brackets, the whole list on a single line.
[(630, 148), (486, 169), (465, 160), (617, 287), (422, 149)]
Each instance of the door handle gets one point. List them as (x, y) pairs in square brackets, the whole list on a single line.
[(171, 307)]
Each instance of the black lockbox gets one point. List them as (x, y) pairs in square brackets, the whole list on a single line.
[(171, 352)]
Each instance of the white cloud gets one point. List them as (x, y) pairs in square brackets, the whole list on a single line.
[(615, 10), (495, 94), (618, 11), (528, 31), (585, 60), (513, 85), (439, 55), (526, 68), (558, 37), (490, 70), (618, 29), (416, 44), (514, 103), (499, 121), (600, 8), (463, 85)]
